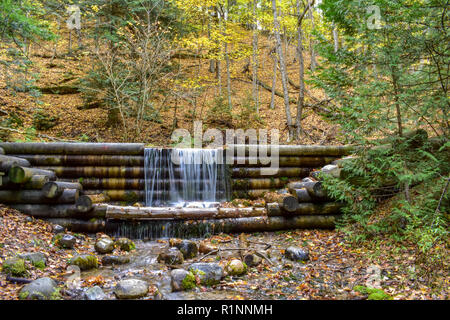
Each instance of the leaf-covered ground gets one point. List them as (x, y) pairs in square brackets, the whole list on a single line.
[(334, 267)]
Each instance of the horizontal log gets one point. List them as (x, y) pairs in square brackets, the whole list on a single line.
[(130, 160), (199, 228), (287, 172), (252, 194), (93, 225), (54, 189), (17, 174), (301, 194), (125, 213), (36, 196), (112, 183), (59, 211), (85, 202), (288, 202), (134, 195), (138, 172), (315, 189), (73, 148), (96, 172), (291, 150), (329, 208), (36, 182), (123, 183), (82, 160), (293, 161), (2, 151), (6, 162)]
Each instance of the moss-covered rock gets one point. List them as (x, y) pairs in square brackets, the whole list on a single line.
[(236, 267), (40, 289), (85, 261), (125, 244), (373, 293), (15, 267), (38, 259), (182, 280)]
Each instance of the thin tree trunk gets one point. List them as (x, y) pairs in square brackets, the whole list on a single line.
[(301, 95), (274, 81), (311, 41), (282, 70), (255, 57), (335, 38), (227, 61)]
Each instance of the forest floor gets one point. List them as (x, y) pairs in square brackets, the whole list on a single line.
[(334, 268), (199, 102)]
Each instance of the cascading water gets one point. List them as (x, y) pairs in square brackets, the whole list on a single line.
[(185, 177), (178, 177)]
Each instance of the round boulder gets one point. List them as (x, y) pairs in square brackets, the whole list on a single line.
[(85, 261), (296, 254), (171, 257), (131, 289), (104, 245), (236, 267), (40, 289), (182, 280), (208, 273)]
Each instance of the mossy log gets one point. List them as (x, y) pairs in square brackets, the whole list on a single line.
[(301, 194), (96, 172), (78, 148), (82, 160), (54, 189), (258, 183), (252, 194), (93, 225), (329, 208), (286, 172), (19, 174), (59, 211), (37, 196), (6, 162), (84, 203), (112, 183), (293, 161), (36, 182), (292, 150), (315, 189), (125, 213), (288, 202), (132, 195)]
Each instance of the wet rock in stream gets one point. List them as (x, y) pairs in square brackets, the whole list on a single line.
[(131, 289), (296, 254), (104, 245), (171, 256), (208, 273), (117, 260)]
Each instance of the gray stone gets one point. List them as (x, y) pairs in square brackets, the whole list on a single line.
[(125, 244), (131, 289), (58, 229), (208, 273), (85, 261), (296, 254), (252, 260), (36, 258), (40, 289), (188, 248), (67, 241), (171, 257), (182, 280), (236, 268), (104, 245), (15, 266), (111, 259), (95, 293)]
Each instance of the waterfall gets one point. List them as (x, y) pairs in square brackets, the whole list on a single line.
[(185, 177)]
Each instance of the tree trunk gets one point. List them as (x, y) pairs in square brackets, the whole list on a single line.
[(54, 189), (282, 71), (18, 174), (36, 196)]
